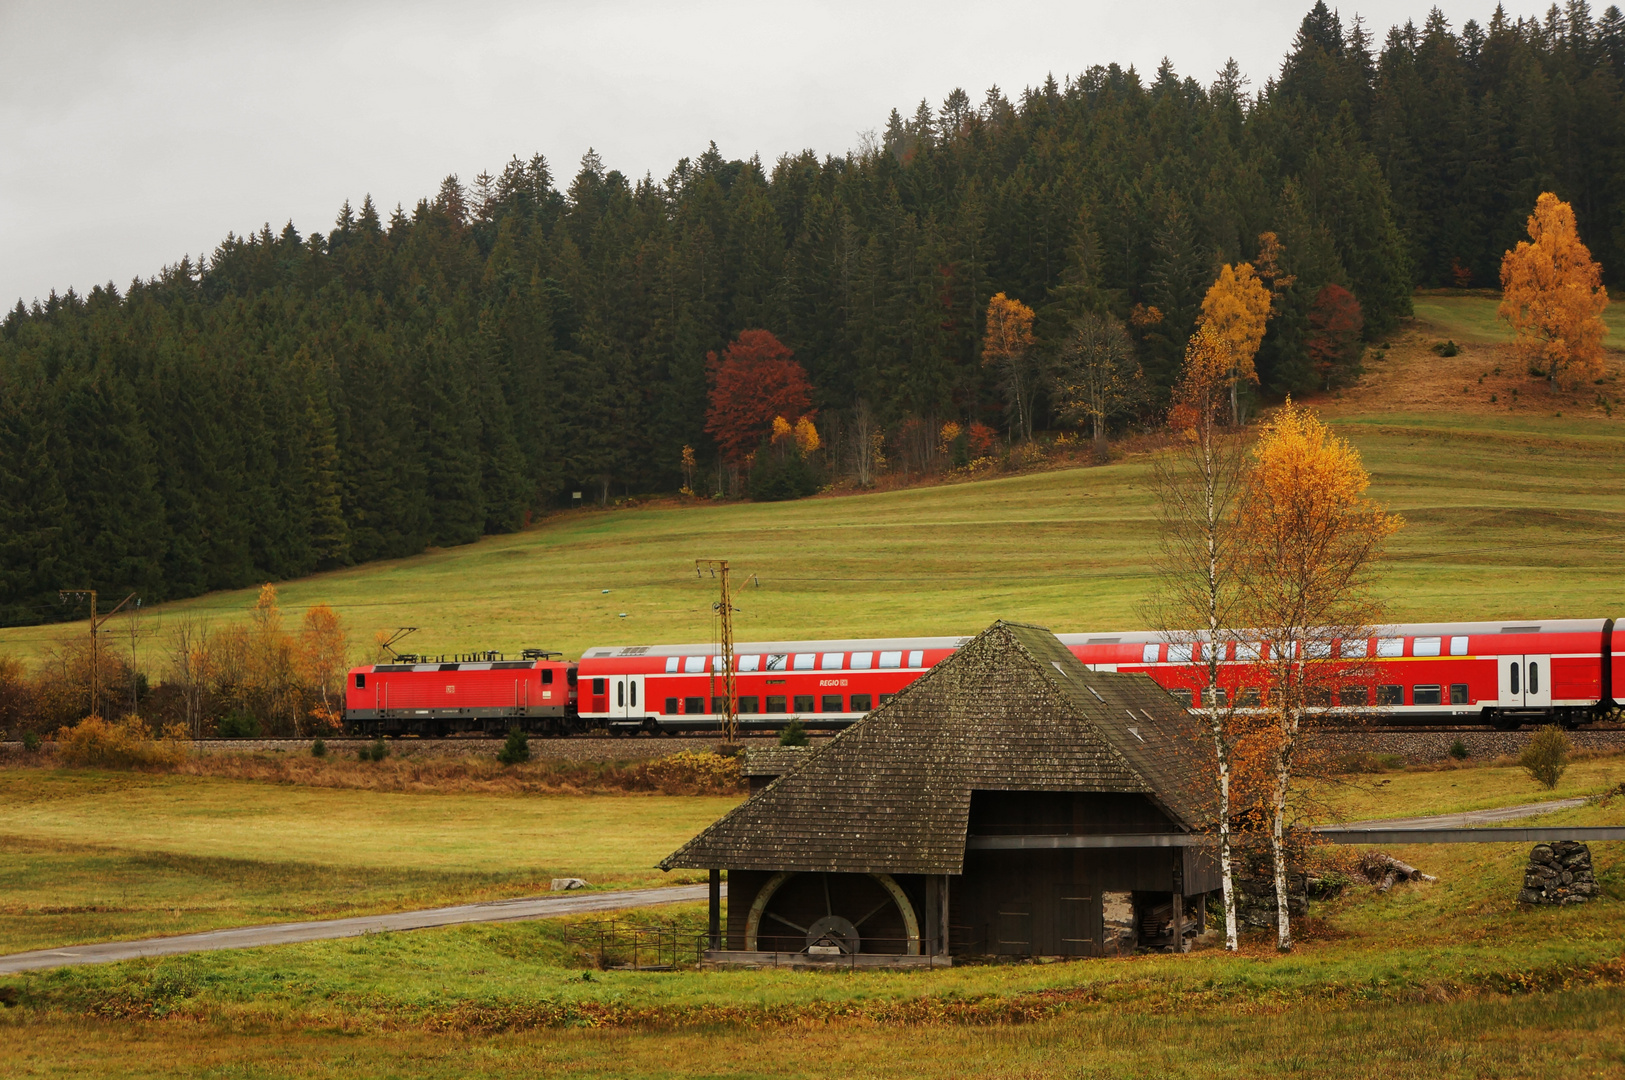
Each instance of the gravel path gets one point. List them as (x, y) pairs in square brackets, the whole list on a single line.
[(249, 937), (1469, 817)]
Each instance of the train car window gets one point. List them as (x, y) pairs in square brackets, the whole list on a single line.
[(361, 680), (916, 658), (1458, 693), (1425, 695), (620, 695), (1390, 695), (1215, 696), (633, 688), (1179, 654), (1513, 670), (1458, 646), (1352, 649), (1534, 677), (1148, 655), (671, 664), (831, 661), (598, 685), (547, 676), (719, 705), (1317, 650), (1319, 696), (750, 704), (862, 661), (804, 703), (693, 705), (891, 659), (448, 667), (805, 661), (671, 706), (776, 662), (1182, 696), (1353, 697), (750, 663), (775, 703), (1246, 650), (1391, 646), (861, 703), (1249, 696), (694, 665), (886, 697), (1425, 646), (831, 703)]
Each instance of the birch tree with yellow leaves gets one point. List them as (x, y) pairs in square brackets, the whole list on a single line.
[(1236, 309), (1009, 347), (1311, 543), (1553, 297)]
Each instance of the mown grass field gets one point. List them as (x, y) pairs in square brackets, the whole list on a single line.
[(1448, 979), (1512, 511), (89, 856)]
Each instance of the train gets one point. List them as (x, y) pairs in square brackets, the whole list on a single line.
[(1504, 674)]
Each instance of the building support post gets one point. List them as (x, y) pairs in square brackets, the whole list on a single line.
[(716, 909), (943, 908), (1179, 900), (933, 888)]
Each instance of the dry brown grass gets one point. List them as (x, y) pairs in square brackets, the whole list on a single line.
[(683, 773)]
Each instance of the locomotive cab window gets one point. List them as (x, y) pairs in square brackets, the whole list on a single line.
[(547, 676), (360, 680)]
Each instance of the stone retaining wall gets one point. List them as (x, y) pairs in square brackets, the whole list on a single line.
[(1419, 747)]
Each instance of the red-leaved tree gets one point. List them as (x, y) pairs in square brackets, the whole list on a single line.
[(754, 380), (1335, 322)]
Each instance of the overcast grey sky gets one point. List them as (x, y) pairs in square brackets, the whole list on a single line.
[(133, 133)]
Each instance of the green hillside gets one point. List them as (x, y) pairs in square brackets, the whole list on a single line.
[(1512, 510)]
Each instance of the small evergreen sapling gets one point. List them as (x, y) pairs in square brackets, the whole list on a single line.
[(793, 734), (516, 749), (318, 748)]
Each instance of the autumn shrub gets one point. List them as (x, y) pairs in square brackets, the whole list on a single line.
[(689, 773), (516, 749), (1547, 756), (124, 744)]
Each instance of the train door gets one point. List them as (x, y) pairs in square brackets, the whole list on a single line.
[(1525, 682), (626, 696)]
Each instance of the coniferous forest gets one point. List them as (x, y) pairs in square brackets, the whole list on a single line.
[(424, 376)]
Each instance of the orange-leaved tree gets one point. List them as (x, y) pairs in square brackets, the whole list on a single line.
[(754, 380), (1552, 295), (1235, 309), (1008, 347), (1310, 541), (1198, 481), (320, 659)]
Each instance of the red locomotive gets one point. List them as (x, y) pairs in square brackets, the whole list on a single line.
[(1568, 671)]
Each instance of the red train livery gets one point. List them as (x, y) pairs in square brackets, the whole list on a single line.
[(1506, 674)]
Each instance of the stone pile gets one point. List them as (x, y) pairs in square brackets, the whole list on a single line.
[(1558, 873)]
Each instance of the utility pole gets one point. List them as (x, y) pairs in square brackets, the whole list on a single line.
[(135, 618), (95, 640), (725, 633)]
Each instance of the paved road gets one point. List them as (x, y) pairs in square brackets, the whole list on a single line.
[(249, 937), (1470, 817)]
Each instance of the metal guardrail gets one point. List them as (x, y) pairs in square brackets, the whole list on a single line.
[(1496, 835)]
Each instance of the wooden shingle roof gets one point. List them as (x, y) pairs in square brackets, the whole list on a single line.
[(1013, 710)]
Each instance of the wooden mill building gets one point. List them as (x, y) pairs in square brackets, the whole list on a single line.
[(1011, 801)]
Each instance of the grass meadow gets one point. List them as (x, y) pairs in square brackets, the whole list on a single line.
[(1515, 508)]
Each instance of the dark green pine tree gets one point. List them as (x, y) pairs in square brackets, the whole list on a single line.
[(450, 447)]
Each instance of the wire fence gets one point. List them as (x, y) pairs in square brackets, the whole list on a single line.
[(639, 946)]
